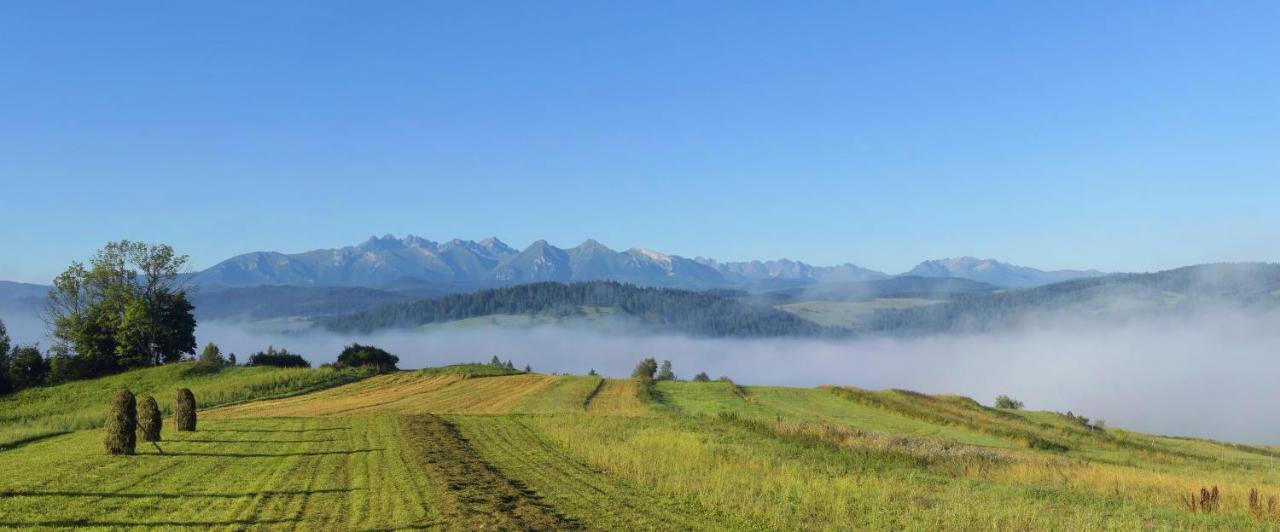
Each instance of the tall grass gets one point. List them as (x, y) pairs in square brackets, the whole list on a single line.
[(782, 485)]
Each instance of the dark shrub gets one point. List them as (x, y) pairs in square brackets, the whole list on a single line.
[(360, 356), (280, 359), (27, 367), (701, 377), (1005, 401), (122, 422), (149, 419), (1045, 445), (184, 411), (645, 369)]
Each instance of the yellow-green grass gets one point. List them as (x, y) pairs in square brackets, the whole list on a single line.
[(297, 474), (382, 393), (406, 393), (599, 500), (707, 399), (617, 397), (471, 493), (808, 405), (566, 394), (849, 313), (820, 406), (1044, 430), (39, 412), (779, 484), (697, 456)]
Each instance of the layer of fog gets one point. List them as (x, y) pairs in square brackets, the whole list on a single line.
[(1207, 374), (24, 326)]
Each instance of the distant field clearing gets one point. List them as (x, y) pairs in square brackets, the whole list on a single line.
[(849, 313)]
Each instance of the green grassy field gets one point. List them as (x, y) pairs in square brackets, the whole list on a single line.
[(40, 412), (468, 448)]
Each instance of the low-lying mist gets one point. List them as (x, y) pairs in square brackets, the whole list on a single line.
[(1207, 374)]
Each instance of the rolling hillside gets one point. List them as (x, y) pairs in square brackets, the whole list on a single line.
[(469, 447), (1247, 286)]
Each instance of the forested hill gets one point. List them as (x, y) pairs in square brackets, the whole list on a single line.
[(667, 309), (1208, 286)]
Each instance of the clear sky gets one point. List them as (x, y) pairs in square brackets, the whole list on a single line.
[(1114, 135)]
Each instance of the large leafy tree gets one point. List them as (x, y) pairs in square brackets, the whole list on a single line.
[(126, 308)]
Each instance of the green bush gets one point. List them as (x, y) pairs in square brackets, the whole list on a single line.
[(367, 356), (645, 370), (149, 419), (184, 411), (280, 359), (1004, 401), (122, 422), (211, 356)]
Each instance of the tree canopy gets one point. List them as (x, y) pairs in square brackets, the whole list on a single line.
[(645, 369), (357, 356), (126, 308)]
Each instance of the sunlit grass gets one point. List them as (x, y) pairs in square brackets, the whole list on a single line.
[(82, 404), (303, 474)]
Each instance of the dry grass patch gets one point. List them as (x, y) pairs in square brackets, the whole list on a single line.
[(409, 393)]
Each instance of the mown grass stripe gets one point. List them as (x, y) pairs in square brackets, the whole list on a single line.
[(473, 494)]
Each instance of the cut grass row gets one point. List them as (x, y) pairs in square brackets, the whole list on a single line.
[(473, 494), (600, 500), (305, 474)]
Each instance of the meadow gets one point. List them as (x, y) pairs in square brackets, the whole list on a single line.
[(41, 412), (473, 447)]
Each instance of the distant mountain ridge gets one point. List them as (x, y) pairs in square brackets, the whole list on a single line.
[(995, 272), (467, 265)]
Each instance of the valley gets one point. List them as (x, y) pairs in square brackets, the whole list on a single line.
[(467, 446)]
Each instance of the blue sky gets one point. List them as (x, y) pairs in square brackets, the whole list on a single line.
[(1115, 135)]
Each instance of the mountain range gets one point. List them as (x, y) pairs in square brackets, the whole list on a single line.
[(459, 265)]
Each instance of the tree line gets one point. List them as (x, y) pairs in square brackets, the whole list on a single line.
[(667, 308), (128, 308)]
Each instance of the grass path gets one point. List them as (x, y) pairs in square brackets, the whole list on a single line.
[(603, 501), (306, 474), (473, 494)]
